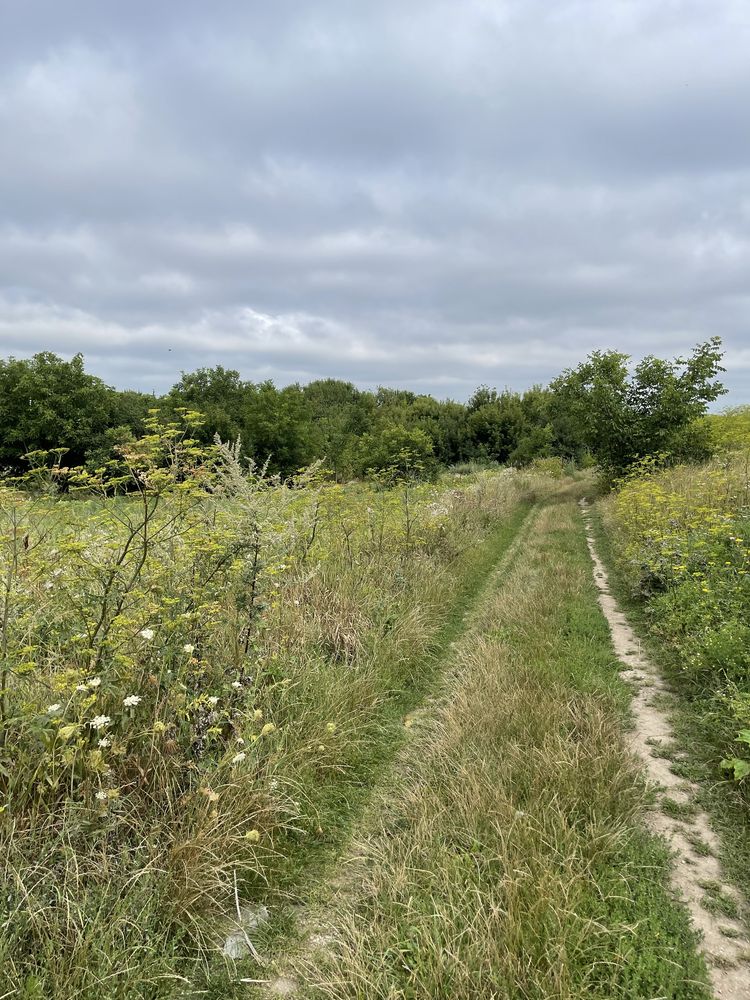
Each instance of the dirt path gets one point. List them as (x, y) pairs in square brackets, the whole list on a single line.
[(697, 875)]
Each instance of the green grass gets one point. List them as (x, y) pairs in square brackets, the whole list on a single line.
[(717, 901), (506, 855), (685, 812)]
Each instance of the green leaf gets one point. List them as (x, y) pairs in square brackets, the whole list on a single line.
[(740, 768)]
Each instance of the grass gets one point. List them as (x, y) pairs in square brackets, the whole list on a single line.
[(126, 898), (685, 812), (717, 901), (506, 856)]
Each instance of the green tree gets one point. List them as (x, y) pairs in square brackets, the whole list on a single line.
[(47, 402), (622, 417), (400, 451), (277, 427), (219, 394), (339, 415), (496, 423)]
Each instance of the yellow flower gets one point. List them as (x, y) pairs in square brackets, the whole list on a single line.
[(253, 836)]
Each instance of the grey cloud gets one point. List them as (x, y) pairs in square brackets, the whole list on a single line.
[(433, 194)]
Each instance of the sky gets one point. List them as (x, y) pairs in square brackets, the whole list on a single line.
[(421, 194)]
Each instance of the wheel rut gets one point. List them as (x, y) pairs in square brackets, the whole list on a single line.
[(315, 924)]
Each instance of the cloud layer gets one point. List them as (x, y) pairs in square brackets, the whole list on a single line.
[(428, 194)]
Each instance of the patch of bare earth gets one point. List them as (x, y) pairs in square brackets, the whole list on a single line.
[(696, 874)]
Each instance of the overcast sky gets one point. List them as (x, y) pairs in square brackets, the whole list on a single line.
[(409, 192)]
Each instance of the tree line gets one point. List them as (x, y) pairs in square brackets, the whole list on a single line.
[(604, 411)]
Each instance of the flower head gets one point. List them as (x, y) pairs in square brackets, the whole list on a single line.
[(236, 684), (104, 743), (188, 647), (213, 700), (53, 709), (94, 682), (99, 721), (239, 757), (147, 633), (131, 701), (102, 796)]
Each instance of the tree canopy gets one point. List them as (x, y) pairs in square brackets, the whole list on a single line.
[(601, 411)]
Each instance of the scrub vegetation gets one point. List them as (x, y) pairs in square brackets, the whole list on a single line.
[(321, 680)]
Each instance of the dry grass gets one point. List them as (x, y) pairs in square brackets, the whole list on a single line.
[(125, 901), (506, 857)]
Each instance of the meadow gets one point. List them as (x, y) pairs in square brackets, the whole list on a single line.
[(382, 715), (202, 668)]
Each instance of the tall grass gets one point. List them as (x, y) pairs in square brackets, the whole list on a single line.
[(190, 674), (506, 857)]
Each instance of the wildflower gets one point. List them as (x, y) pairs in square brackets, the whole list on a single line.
[(331, 727), (81, 687), (236, 684), (48, 585), (274, 784), (147, 633), (52, 709), (105, 743), (239, 757), (213, 701), (240, 741), (188, 647), (253, 836), (268, 728), (159, 726), (99, 721), (257, 715), (94, 682), (131, 701), (102, 796)]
